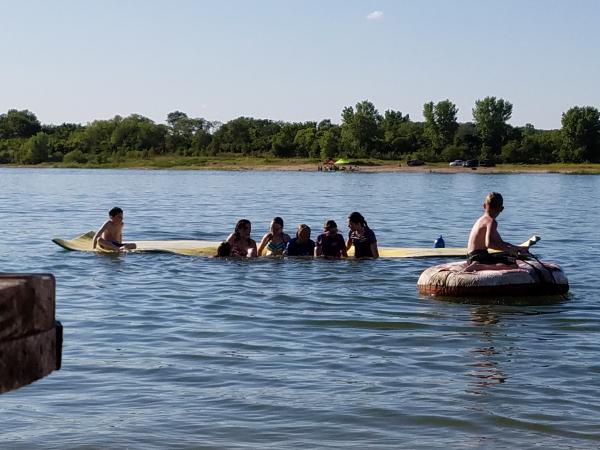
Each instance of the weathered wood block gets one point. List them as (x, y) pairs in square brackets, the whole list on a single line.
[(30, 338)]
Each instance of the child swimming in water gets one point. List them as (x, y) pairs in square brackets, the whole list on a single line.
[(240, 242), (331, 243), (362, 237), (302, 244), (275, 240)]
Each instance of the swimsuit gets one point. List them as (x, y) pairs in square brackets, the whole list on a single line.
[(237, 250), (118, 244), (332, 245), (484, 257), (362, 243), (295, 248), (276, 249)]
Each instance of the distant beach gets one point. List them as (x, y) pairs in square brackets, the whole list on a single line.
[(305, 165)]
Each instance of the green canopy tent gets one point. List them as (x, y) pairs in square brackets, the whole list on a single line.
[(342, 161)]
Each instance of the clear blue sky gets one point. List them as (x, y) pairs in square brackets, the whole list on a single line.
[(76, 61)]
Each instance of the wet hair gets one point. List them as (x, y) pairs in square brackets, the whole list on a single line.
[(494, 200), (115, 211), (357, 217), (329, 225), (301, 228), (278, 221), (224, 249), (242, 223)]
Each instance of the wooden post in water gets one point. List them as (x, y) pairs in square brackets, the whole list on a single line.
[(30, 337)]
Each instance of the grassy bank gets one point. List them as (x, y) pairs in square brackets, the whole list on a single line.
[(191, 162)]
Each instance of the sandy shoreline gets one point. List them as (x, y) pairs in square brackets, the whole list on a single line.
[(592, 169), (385, 168)]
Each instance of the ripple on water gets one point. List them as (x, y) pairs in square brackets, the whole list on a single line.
[(166, 351)]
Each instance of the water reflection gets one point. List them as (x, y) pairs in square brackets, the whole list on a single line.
[(266, 353), (486, 371)]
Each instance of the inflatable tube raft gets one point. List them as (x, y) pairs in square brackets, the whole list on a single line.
[(461, 279)]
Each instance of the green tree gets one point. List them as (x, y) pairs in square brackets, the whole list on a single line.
[(440, 123), (182, 130), (467, 139), (581, 134), (361, 132), (201, 142), (179, 138), (233, 137), (329, 142), (18, 124), (328, 139), (138, 133), (75, 156), (95, 138), (262, 134), (283, 142), (59, 139), (175, 117), (35, 149), (491, 115), (528, 145), (325, 125), (396, 130), (411, 138), (306, 142)]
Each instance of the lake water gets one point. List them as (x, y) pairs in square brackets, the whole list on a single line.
[(167, 351)]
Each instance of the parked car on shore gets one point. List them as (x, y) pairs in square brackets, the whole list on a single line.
[(415, 162), (457, 163), (487, 163), (471, 163)]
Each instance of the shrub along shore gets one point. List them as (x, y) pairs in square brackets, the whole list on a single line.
[(365, 135)]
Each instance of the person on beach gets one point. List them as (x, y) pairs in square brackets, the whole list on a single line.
[(330, 243), (110, 235), (275, 240), (240, 243), (302, 244), (362, 237), (484, 236)]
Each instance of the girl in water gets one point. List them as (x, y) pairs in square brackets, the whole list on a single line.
[(330, 243), (362, 237), (302, 244), (275, 240), (240, 242)]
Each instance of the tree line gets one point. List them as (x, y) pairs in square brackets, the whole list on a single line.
[(362, 133)]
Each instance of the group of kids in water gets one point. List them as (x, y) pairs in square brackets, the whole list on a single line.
[(330, 243)]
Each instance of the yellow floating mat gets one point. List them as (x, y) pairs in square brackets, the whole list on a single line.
[(399, 252), (83, 243)]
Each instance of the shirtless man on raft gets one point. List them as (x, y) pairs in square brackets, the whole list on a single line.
[(110, 235), (484, 235)]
